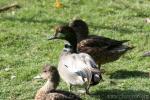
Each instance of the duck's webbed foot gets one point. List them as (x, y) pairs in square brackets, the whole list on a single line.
[(102, 71), (99, 66), (87, 90)]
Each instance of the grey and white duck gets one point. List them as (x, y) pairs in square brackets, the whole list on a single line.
[(76, 68)]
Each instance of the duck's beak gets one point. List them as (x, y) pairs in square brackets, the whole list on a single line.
[(57, 36), (38, 76), (52, 37)]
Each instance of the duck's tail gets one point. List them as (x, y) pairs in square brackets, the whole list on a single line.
[(122, 48), (96, 77), (124, 41)]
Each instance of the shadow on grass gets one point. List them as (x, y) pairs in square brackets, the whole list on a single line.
[(121, 95), (30, 20), (122, 74)]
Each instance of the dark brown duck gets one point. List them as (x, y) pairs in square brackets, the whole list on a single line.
[(65, 32), (102, 49)]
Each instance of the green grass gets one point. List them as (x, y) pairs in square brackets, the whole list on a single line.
[(24, 47)]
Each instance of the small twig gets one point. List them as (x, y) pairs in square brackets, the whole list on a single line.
[(5, 8)]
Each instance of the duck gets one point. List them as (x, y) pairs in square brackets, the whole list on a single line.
[(102, 49), (76, 69), (48, 91)]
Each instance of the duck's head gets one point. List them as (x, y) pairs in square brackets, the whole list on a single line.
[(49, 72), (64, 32), (68, 48), (80, 27)]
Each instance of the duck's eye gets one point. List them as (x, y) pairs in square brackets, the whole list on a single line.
[(68, 46)]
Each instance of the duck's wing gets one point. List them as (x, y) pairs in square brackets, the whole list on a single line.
[(101, 42), (92, 46), (96, 74), (89, 61), (102, 45), (77, 71), (108, 41), (102, 49)]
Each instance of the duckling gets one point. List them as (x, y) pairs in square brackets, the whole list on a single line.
[(48, 91), (102, 49)]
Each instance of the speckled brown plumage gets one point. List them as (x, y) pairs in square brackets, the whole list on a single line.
[(102, 52), (48, 91)]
